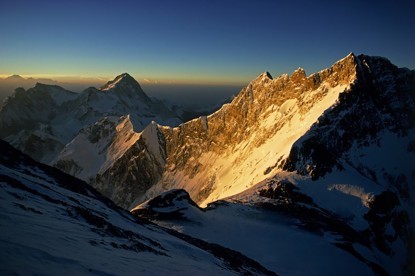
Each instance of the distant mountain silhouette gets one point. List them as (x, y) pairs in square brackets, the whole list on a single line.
[(9, 84)]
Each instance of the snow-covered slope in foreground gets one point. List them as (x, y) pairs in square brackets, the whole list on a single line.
[(54, 224), (302, 240)]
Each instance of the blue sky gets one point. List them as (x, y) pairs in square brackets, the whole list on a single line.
[(198, 41)]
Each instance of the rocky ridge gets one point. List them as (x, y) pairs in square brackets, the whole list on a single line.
[(43, 119), (206, 154)]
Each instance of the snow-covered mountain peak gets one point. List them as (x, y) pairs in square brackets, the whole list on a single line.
[(263, 78), (120, 80), (97, 146), (350, 57), (125, 85), (348, 61), (125, 75)]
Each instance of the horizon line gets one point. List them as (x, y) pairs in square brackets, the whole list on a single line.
[(65, 79)]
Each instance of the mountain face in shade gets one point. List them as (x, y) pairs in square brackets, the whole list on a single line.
[(9, 84), (279, 229), (52, 222), (381, 103), (124, 83), (43, 119)]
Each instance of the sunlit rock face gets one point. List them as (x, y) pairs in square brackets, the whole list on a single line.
[(237, 146), (222, 154)]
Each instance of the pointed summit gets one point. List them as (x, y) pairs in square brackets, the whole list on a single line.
[(267, 75), (351, 54), (262, 78), (125, 84), (349, 59), (120, 80)]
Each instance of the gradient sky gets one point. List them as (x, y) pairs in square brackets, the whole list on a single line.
[(198, 41)]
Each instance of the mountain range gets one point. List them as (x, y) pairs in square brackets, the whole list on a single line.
[(10, 83), (43, 119), (316, 169)]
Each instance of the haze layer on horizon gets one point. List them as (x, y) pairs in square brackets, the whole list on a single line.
[(190, 96)]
